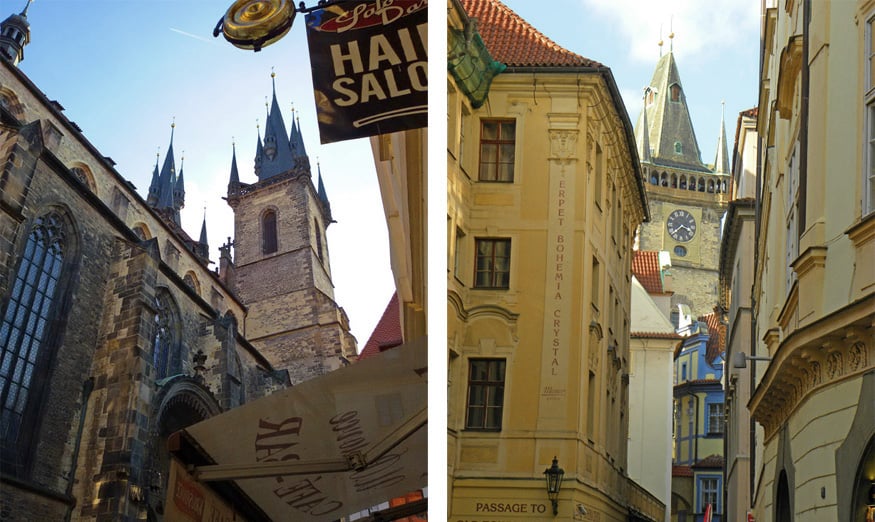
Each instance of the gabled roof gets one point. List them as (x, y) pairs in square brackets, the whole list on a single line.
[(514, 42), (645, 266), (387, 333)]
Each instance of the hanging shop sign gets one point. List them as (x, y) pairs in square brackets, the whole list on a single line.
[(370, 67)]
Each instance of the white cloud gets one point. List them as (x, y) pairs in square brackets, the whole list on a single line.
[(699, 27)]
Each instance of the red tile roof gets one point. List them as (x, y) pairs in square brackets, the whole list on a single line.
[(656, 335), (387, 333), (681, 471), (711, 461), (645, 267), (717, 336), (514, 42)]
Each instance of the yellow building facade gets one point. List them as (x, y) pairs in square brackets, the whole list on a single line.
[(544, 195), (814, 284)]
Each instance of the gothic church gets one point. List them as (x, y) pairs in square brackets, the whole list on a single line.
[(114, 331)]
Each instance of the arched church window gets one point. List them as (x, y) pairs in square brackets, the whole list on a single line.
[(683, 184), (675, 93), (26, 336), (653, 179), (318, 239), (701, 184), (268, 232), (674, 180), (663, 180), (165, 340), (692, 182)]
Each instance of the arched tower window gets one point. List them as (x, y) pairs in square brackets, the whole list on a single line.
[(675, 92), (318, 239), (674, 180), (663, 179), (678, 148), (692, 182), (701, 184), (268, 232), (711, 186), (26, 347), (683, 184), (165, 340)]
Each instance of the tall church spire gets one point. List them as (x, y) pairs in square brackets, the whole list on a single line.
[(721, 162), (167, 183), (276, 157), (234, 180), (14, 35), (671, 134), (643, 131)]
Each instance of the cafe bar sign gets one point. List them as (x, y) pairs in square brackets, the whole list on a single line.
[(370, 67)]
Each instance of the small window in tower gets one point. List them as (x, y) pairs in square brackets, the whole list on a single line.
[(678, 148), (268, 232), (675, 93), (680, 251)]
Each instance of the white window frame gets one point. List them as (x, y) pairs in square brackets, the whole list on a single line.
[(868, 174)]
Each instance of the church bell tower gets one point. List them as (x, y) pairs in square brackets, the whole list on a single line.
[(281, 268)]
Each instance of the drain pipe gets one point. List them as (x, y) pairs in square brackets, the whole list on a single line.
[(87, 387)]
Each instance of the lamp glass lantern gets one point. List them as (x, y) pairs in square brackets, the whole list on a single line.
[(554, 475)]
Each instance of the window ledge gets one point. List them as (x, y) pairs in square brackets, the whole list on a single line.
[(863, 231)]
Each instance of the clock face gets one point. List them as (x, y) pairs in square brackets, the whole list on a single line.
[(681, 225)]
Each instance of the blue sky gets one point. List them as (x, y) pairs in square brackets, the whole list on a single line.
[(716, 47), (124, 69)]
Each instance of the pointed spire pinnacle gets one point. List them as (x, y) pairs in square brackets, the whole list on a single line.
[(320, 192), (179, 186), (721, 161), (26, 7), (203, 238), (644, 146), (276, 156), (671, 34), (154, 186), (167, 178), (235, 176)]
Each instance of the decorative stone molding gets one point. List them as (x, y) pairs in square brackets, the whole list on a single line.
[(834, 348), (563, 144), (790, 68)]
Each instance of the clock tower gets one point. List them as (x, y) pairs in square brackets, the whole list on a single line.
[(687, 197)]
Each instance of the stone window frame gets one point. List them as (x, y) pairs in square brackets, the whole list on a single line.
[(491, 382), (41, 323), (167, 335), (269, 231)]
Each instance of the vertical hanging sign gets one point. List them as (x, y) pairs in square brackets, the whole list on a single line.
[(370, 67)]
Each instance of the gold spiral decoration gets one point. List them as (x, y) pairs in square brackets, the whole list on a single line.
[(253, 24)]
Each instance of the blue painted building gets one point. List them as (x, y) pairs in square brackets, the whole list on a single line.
[(697, 456)]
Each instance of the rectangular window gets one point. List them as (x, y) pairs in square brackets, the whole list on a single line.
[(485, 394), (590, 407), (599, 173), (596, 286), (708, 493), (715, 418), (497, 150), (492, 269), (457, 254)]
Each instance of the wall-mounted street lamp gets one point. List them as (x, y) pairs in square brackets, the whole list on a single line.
[(253, 24), (554, 475), (739, 359)]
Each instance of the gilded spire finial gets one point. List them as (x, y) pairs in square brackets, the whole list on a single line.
[(660, 40), (26, 6)]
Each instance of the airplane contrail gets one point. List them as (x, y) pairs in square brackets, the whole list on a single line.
[(196, 37)]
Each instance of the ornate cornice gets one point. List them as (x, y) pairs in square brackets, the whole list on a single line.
[(837, 347)]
